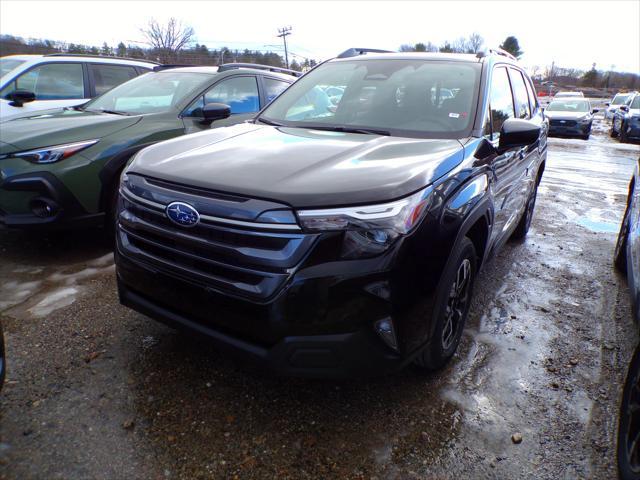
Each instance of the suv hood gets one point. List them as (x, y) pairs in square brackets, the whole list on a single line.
[(299, 166), (58, 127)]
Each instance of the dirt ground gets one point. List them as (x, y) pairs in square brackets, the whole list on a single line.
[(97, 391)]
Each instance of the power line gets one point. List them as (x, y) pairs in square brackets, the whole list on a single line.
[(283, 32)]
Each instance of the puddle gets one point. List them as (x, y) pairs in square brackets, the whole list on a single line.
[(599, 226)]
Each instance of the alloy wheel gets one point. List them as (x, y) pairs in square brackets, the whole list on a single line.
[(456, 304)]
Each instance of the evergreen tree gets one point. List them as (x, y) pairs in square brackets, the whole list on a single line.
[(511, 45)]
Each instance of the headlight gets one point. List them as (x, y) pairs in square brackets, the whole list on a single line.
[(370, 229), (54, 153)]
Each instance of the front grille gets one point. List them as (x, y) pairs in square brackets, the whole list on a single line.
[(239, 257), (563, 123)]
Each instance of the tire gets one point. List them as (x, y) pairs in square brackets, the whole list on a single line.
[(112, 211), (629, 423), (620, 254), (623, 134), (586, 137), (451, 306), (613, 132), (525, 221)]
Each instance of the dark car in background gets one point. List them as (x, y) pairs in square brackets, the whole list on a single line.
[(626, 120), (342, 239), (571, 117), (61, 168), (614, 104)]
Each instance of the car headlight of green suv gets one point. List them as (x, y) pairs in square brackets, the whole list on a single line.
[(51, 154)]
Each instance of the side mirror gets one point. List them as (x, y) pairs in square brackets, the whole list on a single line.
[(20, 97), (215, 111), (624, 108), (595, 110), (516, 132), (607, 104)]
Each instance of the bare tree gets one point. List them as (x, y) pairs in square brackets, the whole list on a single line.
[(459, 45), (475, 42), (168, 39)]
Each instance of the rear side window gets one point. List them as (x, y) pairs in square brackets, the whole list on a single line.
[(533, 100), (105, 77), (273, 87), (240, 93), (501, 99), (53, 81), (520, 90)]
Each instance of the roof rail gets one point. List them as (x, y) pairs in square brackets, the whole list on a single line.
[(166, 66), (504, 53), (231, 66), (354, 52), (99, 56)]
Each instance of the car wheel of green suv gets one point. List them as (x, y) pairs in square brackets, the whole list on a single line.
[(613, 132), (451, 308), (623, 133)]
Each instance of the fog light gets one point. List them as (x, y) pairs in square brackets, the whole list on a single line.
[(384, 327), (43, 207)]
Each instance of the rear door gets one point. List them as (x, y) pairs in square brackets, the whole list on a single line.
[(505, 166), (527, 158), (103, 77)]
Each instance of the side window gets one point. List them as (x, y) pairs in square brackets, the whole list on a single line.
[(273, 87), (522, 99), (53, 81), (105, 77), (533, 99), (240, 93), (501, 99)]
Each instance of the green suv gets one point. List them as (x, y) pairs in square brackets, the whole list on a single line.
[(60, 168)]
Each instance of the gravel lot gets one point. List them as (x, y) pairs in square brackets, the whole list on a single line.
[(97, 391)]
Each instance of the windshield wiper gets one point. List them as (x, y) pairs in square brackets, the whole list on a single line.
[(104, 110), (337, 128), (269, 122)]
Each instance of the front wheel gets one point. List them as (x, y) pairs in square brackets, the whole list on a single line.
[(525, 221), (451, 308), (613, 132), (623, 133)]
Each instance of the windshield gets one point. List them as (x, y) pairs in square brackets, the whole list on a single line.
[(635, 104), (8, 64), (414, 98), (569, 105), (150, 93), (619, 99), (569, 94)]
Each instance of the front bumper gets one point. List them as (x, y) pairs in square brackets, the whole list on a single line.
[(19, 193), (570, 131), (633, 129), (320, 324)]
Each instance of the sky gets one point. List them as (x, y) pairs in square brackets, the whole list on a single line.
[(573, 34)]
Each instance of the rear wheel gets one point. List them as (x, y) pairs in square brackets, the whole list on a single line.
[(620, 255), (525, 221), (451, 307), (613, 132)]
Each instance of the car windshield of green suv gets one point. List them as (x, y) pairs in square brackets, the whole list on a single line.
[(150, 93), (619, 99), (575, 105), (411, 98)]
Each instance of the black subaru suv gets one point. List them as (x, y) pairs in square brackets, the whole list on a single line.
[(338, 235)]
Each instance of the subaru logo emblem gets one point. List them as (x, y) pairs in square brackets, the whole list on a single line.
[(182, 214)]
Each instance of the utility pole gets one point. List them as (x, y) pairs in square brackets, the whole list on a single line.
[(284, 31)]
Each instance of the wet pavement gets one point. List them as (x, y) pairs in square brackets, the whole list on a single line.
[(97, 391)]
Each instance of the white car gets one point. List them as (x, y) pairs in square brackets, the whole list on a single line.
[(568, 94), (30, 83), (618, 100)]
